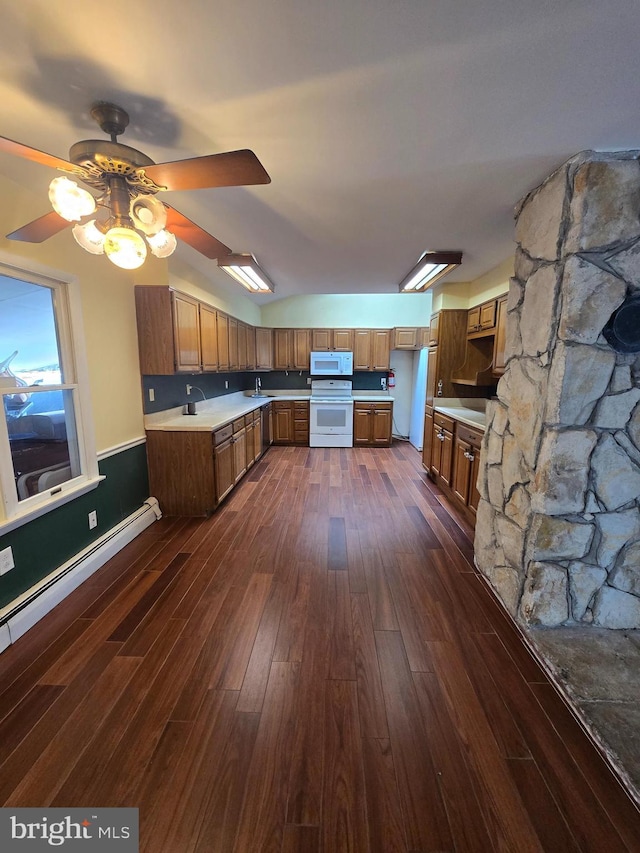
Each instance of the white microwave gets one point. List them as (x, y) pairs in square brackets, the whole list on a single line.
[(331, 363)]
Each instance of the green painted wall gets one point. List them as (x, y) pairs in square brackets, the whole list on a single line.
[(42, 545)]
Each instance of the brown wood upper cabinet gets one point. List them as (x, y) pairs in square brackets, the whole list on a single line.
[(501, 336), (291, 348), (168, 331), (434, 327), (371, 349), (339, 340), (408, 337), (264, 348), (481, 319)]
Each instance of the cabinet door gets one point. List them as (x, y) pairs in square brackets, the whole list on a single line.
[(362, 415), (264, 349), (209, 337), (282, 423), (432, 375), (282, 349), (488, 315), (433, 329), (427, 439), (233, 343), (446, 463), (473, 319), (186, 334), (343, 340), (301, 348), (461, 471), (239, 454), (154, 318), (362, 349), (257, 436), (380, 349), (223, 341), (381, 426), (499, 343), (242, 346), (436, 451), (320, 340), (251, 348), (474, 494), (405, 338), (223, 463)]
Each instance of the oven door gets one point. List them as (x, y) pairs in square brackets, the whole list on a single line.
[(331, 417)]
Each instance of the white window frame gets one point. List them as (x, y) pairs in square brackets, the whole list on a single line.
[(68, 318)]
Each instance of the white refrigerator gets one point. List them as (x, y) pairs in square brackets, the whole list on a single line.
[(418, 398)]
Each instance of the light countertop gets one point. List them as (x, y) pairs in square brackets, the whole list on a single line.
[(218, 411), (470, 417)]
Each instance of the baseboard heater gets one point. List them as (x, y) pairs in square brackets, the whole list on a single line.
[(23, 613)]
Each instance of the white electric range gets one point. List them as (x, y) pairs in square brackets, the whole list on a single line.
[(331, 413)]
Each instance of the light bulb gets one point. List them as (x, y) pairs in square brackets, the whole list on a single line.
[(162, 244), (89, 237), (69, 200), (149, 215), (125, 248)]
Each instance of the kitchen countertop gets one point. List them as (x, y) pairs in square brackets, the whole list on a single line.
[(218, 411), (470, 417)]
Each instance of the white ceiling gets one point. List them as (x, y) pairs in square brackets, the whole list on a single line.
[(388, 126)]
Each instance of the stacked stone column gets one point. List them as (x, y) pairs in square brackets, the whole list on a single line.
[(558, 526)]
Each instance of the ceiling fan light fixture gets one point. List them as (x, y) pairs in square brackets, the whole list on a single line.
[(69, 200), (90, 237), (246, 270), (149, 214), (125, 247), (431, 267), (162, 244)]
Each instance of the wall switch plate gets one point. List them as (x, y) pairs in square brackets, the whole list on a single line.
[(93, 519), (226, 383), (152, 395), (189, 387), (6, 560)]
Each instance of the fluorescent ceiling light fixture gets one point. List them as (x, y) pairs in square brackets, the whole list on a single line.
[(431, 267), (246, 270)]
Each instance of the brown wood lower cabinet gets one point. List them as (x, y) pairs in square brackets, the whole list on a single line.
[(190, 473), (290, 422), (466, 465), (372, 424), (451, 456), (442, 452)]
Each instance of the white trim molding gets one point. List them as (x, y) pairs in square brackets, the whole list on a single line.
[(23, 613)]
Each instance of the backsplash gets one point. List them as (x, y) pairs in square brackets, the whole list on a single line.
[(171, 391)]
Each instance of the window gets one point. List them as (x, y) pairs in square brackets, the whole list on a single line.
[(46, 443)]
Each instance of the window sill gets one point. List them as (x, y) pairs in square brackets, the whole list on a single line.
[(9, 524)]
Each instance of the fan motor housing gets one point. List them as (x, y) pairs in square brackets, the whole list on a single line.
[(99, 158)]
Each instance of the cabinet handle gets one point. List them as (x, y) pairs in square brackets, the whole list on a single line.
[(469, 456), (440, 436)]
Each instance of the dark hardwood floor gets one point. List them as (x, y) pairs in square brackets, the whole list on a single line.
[(317, 667)]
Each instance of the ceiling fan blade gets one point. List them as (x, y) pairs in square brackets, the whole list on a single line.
[(231, 169), (8, 146), (40, 229), (194, 236)]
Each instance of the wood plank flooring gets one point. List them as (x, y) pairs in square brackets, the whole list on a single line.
[(317, 667)]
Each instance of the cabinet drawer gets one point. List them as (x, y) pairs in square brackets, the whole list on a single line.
[(238, 424), (301, 406), (281, 404), (222, 434), (468, 434), (443, 421)]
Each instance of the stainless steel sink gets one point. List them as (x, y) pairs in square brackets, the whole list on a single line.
[(262, 396)]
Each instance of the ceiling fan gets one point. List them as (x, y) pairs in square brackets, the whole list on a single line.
[(122, 216)]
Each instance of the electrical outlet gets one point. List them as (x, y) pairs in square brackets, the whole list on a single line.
[(152, 395), (93, 519), (6, 560), (308, 380), (226, 383), (189, 387)]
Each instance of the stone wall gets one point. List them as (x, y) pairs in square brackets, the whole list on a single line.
[(558, 526)]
